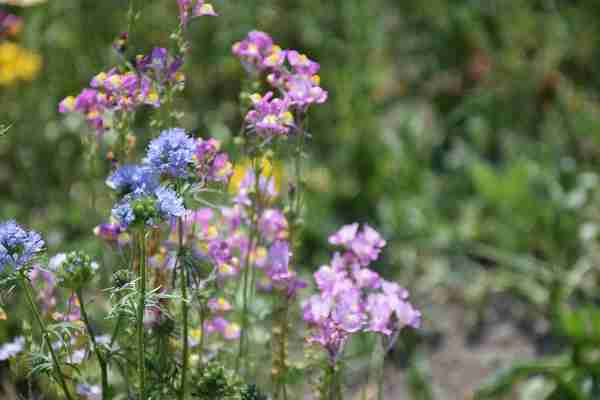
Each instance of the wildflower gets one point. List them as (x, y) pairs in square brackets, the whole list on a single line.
[(301, 64), (18, 247), (148, 209), (364, 245), (131, 178), (200, 9), (10, 25), (172, 153), (354, 298), (17, 64), (269, 116), (253, 50), (303, 90), (11, 349), (273, 224)]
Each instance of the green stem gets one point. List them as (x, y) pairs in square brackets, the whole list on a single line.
[(381, 371), (248, 270), (141, 309), (184, 312), (101, 360), (46, 336)]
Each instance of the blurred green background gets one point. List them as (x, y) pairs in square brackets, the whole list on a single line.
[(467, 131)]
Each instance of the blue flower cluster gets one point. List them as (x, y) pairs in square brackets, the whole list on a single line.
[(172, 154), (18, 247)]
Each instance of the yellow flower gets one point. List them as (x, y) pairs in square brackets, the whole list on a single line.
[(17, 63)]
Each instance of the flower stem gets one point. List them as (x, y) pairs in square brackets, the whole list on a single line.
[(99, 356), (184, 311), (248, 269), (46, 336), (140, 317)]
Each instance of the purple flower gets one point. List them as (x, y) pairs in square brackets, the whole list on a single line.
[(200, 9), (10, 24), (11, 349), (269, 116), (301, 64), (304, 90), (344, 236), (279, 261), (18, 247), (172, 153), (253, 51), (131, 178), (354, 298), (273, 225)]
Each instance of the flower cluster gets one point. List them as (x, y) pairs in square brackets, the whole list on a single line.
[(194, 8), (148, 208), (288, 71), (114, 90), (354, 298), (18, 247), (174, 154), (174, 157)]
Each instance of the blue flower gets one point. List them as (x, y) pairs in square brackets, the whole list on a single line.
[(18, 247), (148, 208), (172, 153), (168, 203), (130, 178), (123, 213)]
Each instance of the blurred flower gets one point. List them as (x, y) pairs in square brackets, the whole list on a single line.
[(11, 349), (199, 9), (89, 392), (10, 25), (17, 64), (18, 247)]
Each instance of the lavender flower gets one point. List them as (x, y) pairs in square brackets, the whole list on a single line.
[(354, 298), (269, 116), (200, 9), (18, 247), (253, 51), (273, 224)]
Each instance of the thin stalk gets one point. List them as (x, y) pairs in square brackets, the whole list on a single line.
[(141, 309), (46, 337), (381, 371), (242, 350), (99, 356), (184, 311)]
